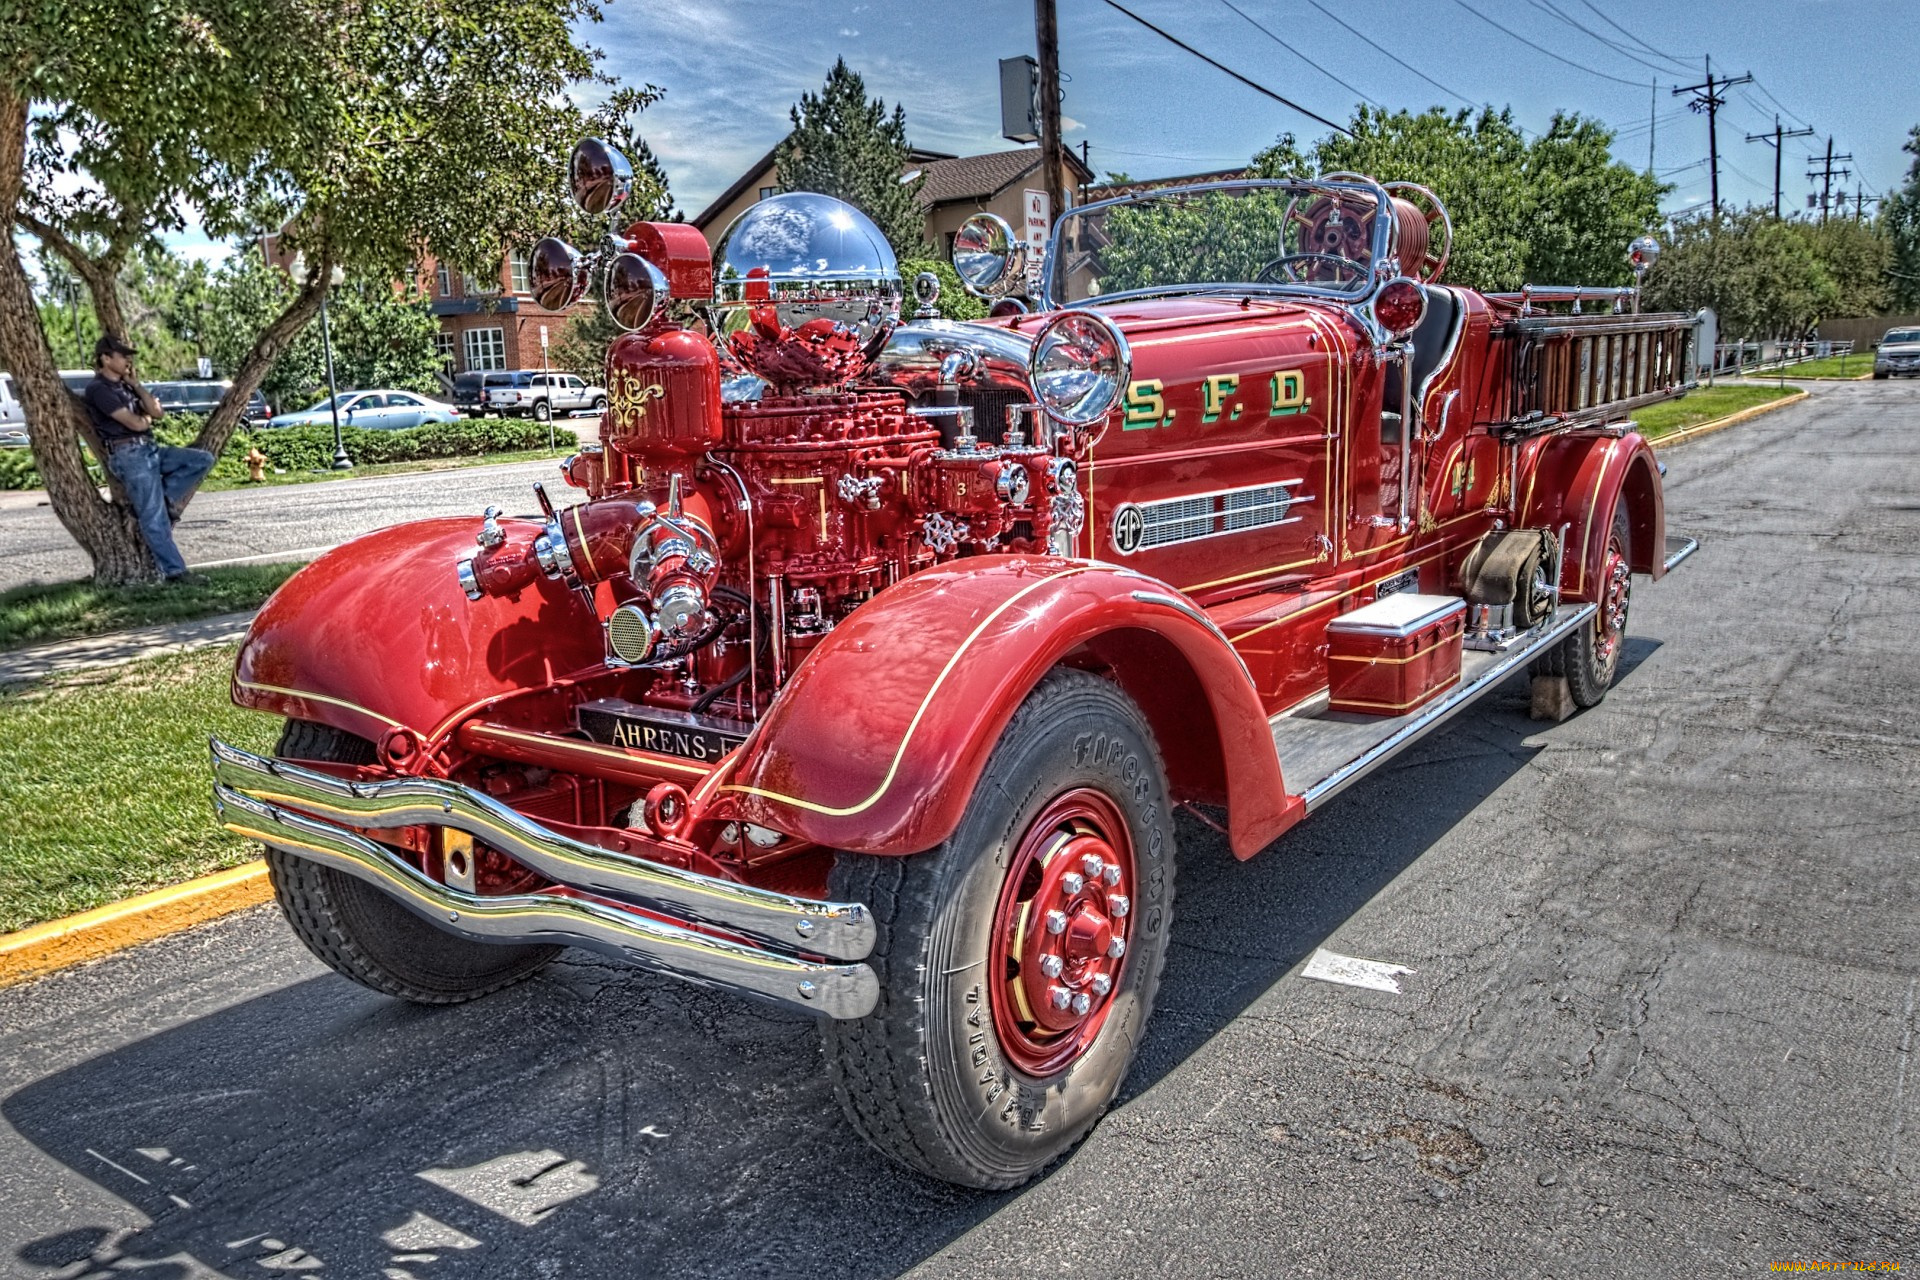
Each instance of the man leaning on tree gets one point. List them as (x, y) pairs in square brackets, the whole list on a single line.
[(157, 478)]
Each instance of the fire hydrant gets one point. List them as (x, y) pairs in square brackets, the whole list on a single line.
[(256, 466)]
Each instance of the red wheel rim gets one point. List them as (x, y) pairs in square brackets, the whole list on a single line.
[(1616, 590), (1061, 931)]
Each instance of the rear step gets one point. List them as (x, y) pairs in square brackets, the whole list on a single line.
[(1679, 547), (1322, 755)]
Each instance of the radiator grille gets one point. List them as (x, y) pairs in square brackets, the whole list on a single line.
[(1144, 526)]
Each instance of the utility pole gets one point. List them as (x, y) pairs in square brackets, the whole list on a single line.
[(1653, 123), (1052, 163), (1710, 97), (1825, 173), (1773, 139)]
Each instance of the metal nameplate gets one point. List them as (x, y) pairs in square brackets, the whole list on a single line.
[(702, 739), (1406, 579)]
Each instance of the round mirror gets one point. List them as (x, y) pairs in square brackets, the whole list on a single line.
[(1643, 253), (986, 256), (599, 176), (635, 290), (556, 274)]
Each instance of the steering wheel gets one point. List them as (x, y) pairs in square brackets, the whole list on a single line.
[(1310, 268), (1428, 206)]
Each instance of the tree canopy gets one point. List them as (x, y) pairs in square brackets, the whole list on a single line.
[(1766, 277), (846, 145), (1901, 217)]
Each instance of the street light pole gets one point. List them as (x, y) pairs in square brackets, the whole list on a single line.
[(341, 462)]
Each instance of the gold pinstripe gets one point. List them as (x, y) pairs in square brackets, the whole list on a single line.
[(317, 697)]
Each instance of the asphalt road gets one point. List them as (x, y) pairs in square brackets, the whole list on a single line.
[(294, 522), (1661, 1017)]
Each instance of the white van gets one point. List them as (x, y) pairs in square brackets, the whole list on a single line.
[(13, 420)]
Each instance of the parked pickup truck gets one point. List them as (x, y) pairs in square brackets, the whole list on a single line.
[(542, 395), (870, 670)]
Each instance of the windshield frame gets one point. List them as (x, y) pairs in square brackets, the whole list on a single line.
[(1382, 267)]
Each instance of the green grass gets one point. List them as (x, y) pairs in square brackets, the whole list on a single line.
[(214, 484), (104, 781), (1704, 405), (1854, 366), (63, 610)]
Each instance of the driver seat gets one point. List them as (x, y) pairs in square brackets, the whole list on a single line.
[(1432, 339)]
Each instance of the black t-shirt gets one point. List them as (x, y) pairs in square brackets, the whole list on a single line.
[(103, 397)]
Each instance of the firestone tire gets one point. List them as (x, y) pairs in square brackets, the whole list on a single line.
[(1590, 657), (954, 1074), (542, 411), (361, 933)]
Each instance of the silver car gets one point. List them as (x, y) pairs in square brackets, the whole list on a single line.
[(13, 420), (1899, 352)]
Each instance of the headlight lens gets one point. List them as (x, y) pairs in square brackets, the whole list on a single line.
[(1078, 366)]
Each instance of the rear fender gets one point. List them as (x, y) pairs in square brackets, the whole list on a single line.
[(377, 635), (1576, 480), (877, 741)]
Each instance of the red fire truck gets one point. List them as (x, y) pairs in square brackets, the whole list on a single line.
[(871, 664)]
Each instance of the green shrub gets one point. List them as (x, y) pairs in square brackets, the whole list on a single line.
[(17, 470)]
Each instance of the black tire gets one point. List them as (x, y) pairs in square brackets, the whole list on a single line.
[(361, 933), (1590, 657), (599, 404), (542, 411), (929, 1077), (1878, 375)]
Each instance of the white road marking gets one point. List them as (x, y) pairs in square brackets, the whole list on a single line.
[(523, 1187), (421, 1233), (122, 1168), (1900, 1080), (1376, 975)]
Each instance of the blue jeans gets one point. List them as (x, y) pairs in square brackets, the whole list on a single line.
[(155, 477)]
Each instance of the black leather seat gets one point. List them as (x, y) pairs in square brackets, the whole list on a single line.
[(1430, 342)]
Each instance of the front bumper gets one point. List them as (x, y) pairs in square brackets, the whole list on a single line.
[(793, 951)]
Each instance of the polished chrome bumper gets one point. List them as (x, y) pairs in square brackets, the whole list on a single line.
[(307, 813)]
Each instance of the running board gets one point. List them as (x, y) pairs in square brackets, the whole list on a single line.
[(1330, 751), (1679, 547)]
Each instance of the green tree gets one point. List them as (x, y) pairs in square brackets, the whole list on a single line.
[(846, 145), (1900, 215), (955, 302), (369, 135), (1753, 269), (1856, 256), (650, 200)]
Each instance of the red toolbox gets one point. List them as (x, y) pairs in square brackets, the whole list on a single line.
[(1396, 654)]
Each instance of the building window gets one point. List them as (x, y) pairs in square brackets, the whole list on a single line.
[(767, 193), (485, 349), (517, 270), (468, 284), (443, 346), (443, 283)]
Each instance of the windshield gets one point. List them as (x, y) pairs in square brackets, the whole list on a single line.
[(1902, 335), (1318, 237), (326, 405)]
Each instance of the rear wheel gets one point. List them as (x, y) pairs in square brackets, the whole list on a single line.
[(542, 411), (1018, 961), (360, 932), (1590, 657), (599, 404)]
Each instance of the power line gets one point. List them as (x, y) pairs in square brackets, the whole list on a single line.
[(1536, 48), (1710, 97), (1451, 93), (1547, 7), (1791, 114), (1314, 63), (1221, 66), (1660, 53), (1774, 140)]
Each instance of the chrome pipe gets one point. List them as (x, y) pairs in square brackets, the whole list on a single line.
[(1409, 415), (836, 990), (842, 930)]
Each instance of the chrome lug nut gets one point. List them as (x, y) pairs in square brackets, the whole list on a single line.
[(1119, 904), (1082, 1002), (1112, 874), (1092, 865), (1051, 965), (1072, 883), (1060, 997), (1117, 948), (1101, 984), (1056, 922)]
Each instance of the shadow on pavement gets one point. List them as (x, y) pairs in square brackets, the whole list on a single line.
[(594, 1123)]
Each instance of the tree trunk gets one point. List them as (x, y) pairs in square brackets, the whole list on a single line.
[(106, 531), (225, 419)]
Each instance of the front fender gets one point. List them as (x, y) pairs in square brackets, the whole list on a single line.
[(1575, 480), (876, 742), (376, 634)]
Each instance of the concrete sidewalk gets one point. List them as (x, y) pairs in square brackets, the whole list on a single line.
[(37, 662)]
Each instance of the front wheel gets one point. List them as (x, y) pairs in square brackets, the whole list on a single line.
[(1017, 961), (361, 933), (1590, 657)]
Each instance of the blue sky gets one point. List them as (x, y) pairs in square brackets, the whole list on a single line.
[(731, 71)]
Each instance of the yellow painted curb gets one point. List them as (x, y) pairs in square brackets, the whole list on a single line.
[(41, 949), (1721, 424)]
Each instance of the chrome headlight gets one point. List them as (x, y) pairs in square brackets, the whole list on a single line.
[(1078, 367)]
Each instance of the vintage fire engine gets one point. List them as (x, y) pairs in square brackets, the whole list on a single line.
[(869, 670)]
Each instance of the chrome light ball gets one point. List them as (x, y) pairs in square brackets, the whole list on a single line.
[(806, 290), (598, 176), (1078, 367)]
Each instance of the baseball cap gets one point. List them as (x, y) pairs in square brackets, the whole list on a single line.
[(112, 346)]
